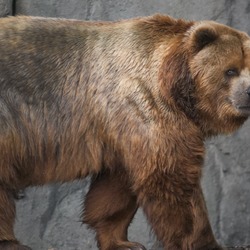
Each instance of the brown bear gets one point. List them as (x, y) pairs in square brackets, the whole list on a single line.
[(130, 103)]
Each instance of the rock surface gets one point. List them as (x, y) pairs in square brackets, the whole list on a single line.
[(49, 217), (5, 8)]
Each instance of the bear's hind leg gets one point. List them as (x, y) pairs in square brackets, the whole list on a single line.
[(7, 219), (109, 208)]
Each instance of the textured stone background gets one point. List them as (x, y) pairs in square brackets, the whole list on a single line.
[(48, 217), (5, 8)]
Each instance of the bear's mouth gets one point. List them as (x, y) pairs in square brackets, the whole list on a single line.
[(244, 109)]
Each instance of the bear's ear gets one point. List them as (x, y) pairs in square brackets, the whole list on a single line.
[(203, 36)]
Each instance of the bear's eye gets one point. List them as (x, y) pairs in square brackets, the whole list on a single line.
[(232, 72)]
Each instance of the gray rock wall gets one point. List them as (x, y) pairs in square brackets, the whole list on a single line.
[(5, 8), (48, 217)]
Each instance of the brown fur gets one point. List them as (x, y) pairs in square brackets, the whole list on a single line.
[(129, 102)]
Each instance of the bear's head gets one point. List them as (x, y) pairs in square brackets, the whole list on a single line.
[(207, 74)]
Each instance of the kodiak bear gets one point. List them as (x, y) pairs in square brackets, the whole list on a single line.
[(130, 103)]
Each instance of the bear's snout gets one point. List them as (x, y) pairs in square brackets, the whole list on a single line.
[(248, 91), (240, 96), (242, 99)]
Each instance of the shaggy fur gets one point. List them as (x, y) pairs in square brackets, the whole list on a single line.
[(128, 102)]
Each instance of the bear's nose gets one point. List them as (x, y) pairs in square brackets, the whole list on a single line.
[(248, 91)]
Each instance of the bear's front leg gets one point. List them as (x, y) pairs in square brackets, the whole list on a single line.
[(12, 245), (175, 208), (7, 218)]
